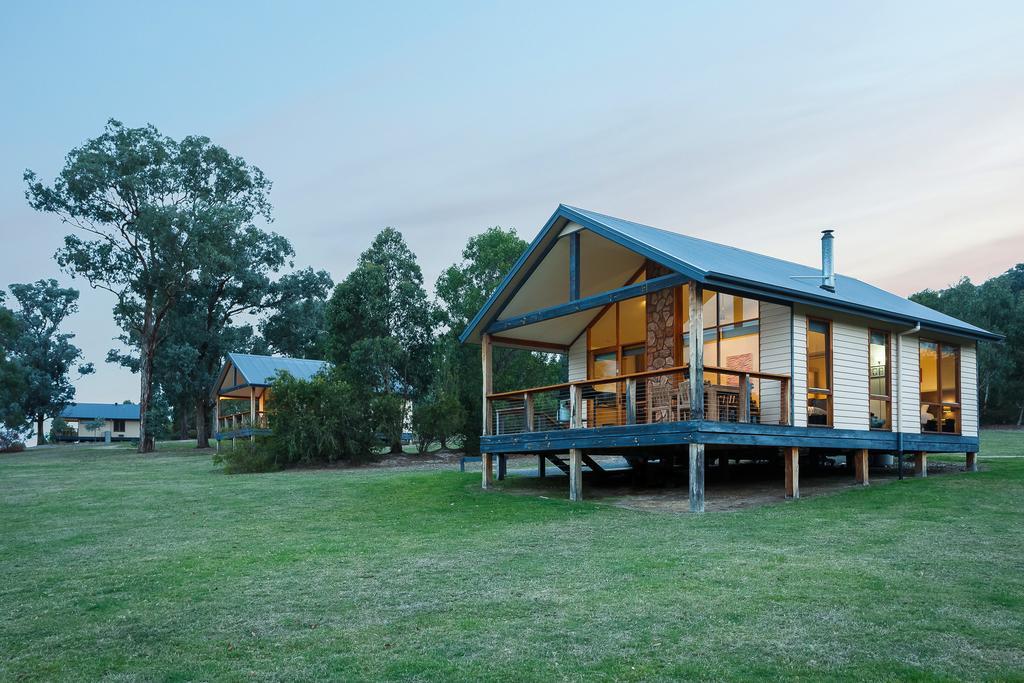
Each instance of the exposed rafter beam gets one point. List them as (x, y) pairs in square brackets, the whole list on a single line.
[(574, 266), (586, 303)]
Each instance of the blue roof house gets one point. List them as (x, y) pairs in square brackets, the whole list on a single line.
[(243, 387), (94, 421), (678, 347)]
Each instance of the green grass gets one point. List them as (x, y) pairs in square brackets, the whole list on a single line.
[(125, 567)]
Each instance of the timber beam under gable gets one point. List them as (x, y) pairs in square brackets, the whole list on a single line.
[(589, 302)]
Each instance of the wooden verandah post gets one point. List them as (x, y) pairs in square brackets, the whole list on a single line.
[(696, 363), (486, 459)]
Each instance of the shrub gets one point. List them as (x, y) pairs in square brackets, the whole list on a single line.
[(59, 427), (436, 419), (10, 442), (250, 457), (320, 420)]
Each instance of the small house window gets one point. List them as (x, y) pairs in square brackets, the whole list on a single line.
[(118, 425), (879, 381), (940, 387), (819, 372)]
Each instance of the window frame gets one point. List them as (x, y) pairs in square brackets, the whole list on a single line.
[(888, 380), (115, 429), (682, 328), (938, 385), (829, 351)]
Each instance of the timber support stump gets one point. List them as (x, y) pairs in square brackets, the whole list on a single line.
[(921, 464), (487, 470), (972, 462), (791, 457), (696, 477), (860, 466), (575, 474)]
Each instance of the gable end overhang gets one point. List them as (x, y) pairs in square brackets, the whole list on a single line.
[(540, 247), (563, 215)]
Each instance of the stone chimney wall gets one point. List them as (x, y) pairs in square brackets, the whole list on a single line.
[(661, 322)]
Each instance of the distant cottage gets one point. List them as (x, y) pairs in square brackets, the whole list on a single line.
[(790, 360), (94, 421), (243, 387)]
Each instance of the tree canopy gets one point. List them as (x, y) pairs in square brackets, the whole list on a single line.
[(154, 215), (462, 289), (46, 354), (13, 379), (996, 305), (379, 324)]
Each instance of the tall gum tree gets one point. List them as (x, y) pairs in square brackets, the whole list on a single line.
[(147, 209), (46, 354)]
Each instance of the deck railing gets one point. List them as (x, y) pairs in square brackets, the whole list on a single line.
[(240, 421), (641, 398)]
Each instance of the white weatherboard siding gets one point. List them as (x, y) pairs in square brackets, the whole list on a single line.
[(131, 429), (799, 369), (775, 358), (968, 390), (578, 359), (849, 375), (910, 385)]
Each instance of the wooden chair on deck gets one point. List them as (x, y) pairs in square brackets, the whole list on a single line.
[(659, 400), (669, 403)]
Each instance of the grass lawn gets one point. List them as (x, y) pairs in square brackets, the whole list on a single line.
[(160, 567)]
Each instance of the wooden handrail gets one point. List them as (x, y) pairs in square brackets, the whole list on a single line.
[(521, 393)]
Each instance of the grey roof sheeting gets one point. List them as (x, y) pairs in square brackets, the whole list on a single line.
[(259, 371), (724, 266), (106, 411)]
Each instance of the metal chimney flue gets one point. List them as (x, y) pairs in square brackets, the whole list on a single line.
[(828, 261)]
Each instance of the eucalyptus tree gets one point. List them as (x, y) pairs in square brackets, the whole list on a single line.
[(13, 381), (461, 290), (46, 354), (380, 325), (148, 211)]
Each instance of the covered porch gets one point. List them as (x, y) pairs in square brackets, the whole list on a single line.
[(244, 387), (668, 363)]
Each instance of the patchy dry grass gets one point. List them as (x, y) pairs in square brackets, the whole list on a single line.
[(160, 567)]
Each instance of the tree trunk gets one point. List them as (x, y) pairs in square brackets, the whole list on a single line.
[(40, 436), (147, 444), (182, 416), (396, 448), (202, 431)]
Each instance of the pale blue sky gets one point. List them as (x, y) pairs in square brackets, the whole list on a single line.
[(755, 124)]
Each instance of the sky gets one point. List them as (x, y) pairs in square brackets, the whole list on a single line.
[(754, 124)]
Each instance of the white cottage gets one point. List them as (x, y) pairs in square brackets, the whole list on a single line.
[(793, 360)]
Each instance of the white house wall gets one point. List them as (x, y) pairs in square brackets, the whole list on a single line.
[(578, 359), (910, 385), (799, 368), (131, 429), (969, 390), (775, 358), (850, 409)]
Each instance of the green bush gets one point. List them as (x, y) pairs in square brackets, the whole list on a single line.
[(249, 457), (436, 419), (59, 427), (10, 442), (321, 420)]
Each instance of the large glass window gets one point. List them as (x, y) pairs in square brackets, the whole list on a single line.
[(940, 387), (819, 372), (879, 381), (731, 327), (616, 346)]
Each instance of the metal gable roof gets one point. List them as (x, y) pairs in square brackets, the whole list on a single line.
[(259, 371), (108, 411), (724, 266)]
